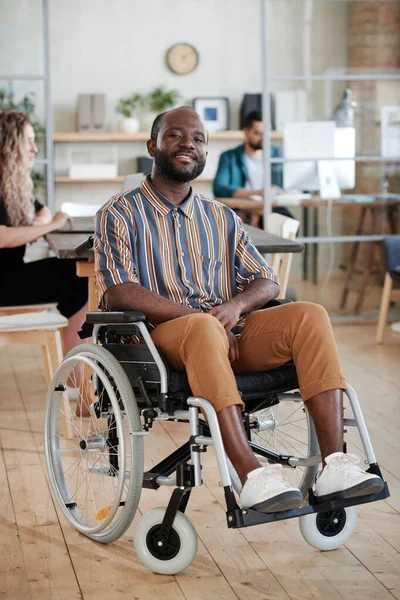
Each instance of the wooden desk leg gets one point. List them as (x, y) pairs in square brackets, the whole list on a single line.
[(353, 258), (393, 218), (367, 269), (305, 234), (86, 269), (92, 296), (315, 247), (369, 259), (384, 309)]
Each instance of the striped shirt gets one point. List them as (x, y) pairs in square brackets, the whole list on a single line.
[(197, 254)]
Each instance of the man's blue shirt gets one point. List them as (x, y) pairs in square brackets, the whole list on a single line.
[(231, 173)]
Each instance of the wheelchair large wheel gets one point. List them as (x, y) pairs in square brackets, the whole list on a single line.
[(176, 554), (96, 477), (288, 429), (329, 530)]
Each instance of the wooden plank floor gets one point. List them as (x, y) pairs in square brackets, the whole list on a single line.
[(43, 557)]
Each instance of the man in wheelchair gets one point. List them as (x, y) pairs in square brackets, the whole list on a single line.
[(188, 264)]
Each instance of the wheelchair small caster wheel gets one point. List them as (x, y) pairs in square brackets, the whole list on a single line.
[(173, 556), (329, 530)]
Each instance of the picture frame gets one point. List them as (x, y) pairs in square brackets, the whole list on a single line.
[(214, 111)]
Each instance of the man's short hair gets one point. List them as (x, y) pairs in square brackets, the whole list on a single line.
[(155, 128), (254, 115)]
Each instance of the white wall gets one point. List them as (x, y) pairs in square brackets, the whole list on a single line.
[(118, 47)]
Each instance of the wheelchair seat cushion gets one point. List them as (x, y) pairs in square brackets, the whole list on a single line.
[(251, 385)]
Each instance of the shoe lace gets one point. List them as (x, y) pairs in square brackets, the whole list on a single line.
[(349, 461), (269, 475), (347, 458), (345, 464)]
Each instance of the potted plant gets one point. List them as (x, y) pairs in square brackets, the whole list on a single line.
[(127, 107), (25, 105), (157, 101)]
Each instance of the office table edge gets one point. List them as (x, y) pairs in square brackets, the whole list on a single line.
[(278, 245)]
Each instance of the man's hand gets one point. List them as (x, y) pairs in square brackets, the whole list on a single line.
[(228, 314), (233, 348)]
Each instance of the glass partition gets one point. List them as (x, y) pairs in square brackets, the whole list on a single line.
[(335, 99)]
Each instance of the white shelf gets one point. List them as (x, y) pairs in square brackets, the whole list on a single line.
[(141, 136), (66, 179), (118, 179)]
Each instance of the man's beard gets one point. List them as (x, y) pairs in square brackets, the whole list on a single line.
[(165, 168), (258, 146)]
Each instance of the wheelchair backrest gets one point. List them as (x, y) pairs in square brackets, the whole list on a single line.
[(136, 360)]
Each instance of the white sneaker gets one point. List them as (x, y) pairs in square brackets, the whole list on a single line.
[(267, 491), (343, 478)]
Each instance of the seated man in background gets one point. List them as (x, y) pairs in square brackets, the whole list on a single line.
[(240, 172), (187, 263)]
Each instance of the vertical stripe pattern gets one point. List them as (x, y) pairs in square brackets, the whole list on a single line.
[(197, 254)]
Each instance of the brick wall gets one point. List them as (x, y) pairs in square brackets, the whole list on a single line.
[(373, 43)]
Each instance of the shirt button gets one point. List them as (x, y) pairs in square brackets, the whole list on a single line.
[(179, 225), (182, 254)]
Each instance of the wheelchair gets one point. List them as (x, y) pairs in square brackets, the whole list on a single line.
[(97, 476)]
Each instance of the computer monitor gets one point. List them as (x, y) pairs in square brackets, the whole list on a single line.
[(318, 140)]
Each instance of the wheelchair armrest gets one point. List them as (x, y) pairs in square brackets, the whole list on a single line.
[(272, 303), (115, 317), (131, 316)]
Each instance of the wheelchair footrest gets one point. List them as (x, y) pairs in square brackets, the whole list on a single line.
[(247, 517)]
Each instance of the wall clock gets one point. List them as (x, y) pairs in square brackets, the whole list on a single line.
[(182, 58)]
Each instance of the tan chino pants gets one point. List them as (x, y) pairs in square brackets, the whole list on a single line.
[(271, 337)]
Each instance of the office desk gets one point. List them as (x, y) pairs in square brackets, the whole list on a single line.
[(382, 211), (383, 203), (64, 243)]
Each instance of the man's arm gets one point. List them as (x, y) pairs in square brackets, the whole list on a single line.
[(222, 187), (256, 282), (132, 296), (258, 293), (245, 193)]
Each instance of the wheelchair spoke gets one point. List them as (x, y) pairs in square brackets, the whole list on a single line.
[(287, 443), (89, 470), (77, 462), (284, 428)]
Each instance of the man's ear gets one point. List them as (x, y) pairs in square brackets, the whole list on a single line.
[(151, 147)]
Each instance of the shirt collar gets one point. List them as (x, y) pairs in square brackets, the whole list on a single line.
[(162, 204)]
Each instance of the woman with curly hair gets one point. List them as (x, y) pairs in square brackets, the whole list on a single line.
[(23, 220)]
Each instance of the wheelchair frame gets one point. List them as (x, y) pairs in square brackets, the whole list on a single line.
[(189, 476), (202, 435)]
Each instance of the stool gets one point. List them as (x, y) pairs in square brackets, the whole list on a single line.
[(377, 212), (287, 228), (26, 308), (42, 329), (392, 264)]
